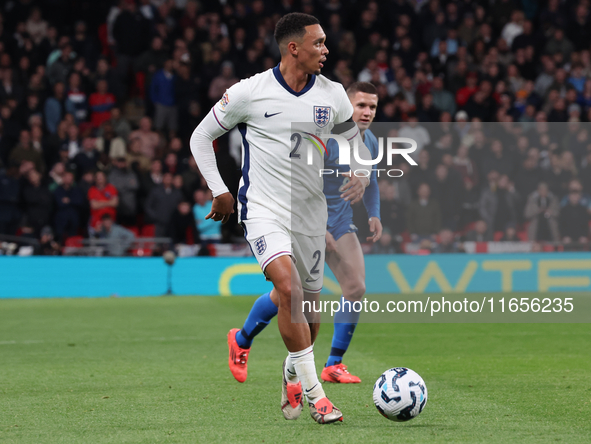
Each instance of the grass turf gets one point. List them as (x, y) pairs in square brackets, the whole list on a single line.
[(145, 370)]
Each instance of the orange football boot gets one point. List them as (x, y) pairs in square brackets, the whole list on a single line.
[(238, 358), (339, 373), (324, 412)]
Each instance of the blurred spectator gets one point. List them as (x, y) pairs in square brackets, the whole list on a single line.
[(109, 145), (138, 162), (84, 44), (58, 70), (480, 233), (574, 217), (513, 28), (87, 159), (120, 238), (131, 33), (9, 200), (498, 159), (163, 95), (149, 139), (447, 242), (541, 211), (76, 99), (171, 164), (24, 151), (38, 202), (36, 26), (222, 82), (443, 100), (68, 201), (416, 132), (182, 221), (510, 234), (161, 203), (586, 173), (528, 177), (470, 203), (56, 176), (55, 107), (423, 217), (151, 60), (209, 231), (103, 198), (392, 212), (151, 179), (72, 144), (127, 184), (105, 72), (559, 44), (8, 89), (556, 177), (464, 94), (498, 203), (101, 103), (446, 189), (422, 173), (120, 125), (48, 247), (192, 179), (464, 165)]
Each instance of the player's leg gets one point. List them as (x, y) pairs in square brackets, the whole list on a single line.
[(261, 313), (268, 241), (240, 340), (309, 265), (348, 266)]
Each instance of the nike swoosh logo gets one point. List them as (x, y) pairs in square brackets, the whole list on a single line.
[(308, 280), (271, 115), (308, 391)]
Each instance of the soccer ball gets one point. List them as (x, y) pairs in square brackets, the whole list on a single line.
[(400, 394)]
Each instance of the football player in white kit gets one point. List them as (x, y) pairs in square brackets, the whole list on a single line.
[(282, 207)]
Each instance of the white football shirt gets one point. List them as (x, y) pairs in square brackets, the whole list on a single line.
[(276, 181)]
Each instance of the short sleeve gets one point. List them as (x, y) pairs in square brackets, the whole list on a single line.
[(232, 108), (345, 110)]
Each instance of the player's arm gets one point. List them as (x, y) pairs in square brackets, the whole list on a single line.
[(353, 191), (347, 128), (223, 116), (371, 198)]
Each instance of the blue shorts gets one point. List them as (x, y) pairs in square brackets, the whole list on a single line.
[(340, 218), (342, 227)]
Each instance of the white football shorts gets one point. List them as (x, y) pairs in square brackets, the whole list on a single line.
[(269, 239)]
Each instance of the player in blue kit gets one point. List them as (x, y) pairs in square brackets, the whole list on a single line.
[(343, 250)]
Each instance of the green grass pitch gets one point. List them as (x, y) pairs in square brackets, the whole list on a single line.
[(147, 370)]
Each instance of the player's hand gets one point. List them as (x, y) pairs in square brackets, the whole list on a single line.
[(375, 226), (354, 189), (221, 208), (331, 244)]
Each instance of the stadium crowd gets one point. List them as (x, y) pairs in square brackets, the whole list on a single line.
[(98, 101)]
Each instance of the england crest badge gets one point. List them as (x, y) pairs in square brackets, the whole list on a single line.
[(321, 115), (260, 245)]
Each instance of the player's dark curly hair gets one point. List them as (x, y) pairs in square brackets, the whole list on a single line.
[(293, 25)]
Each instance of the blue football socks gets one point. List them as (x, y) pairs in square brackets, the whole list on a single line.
[(345, 321), (259, 317)]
